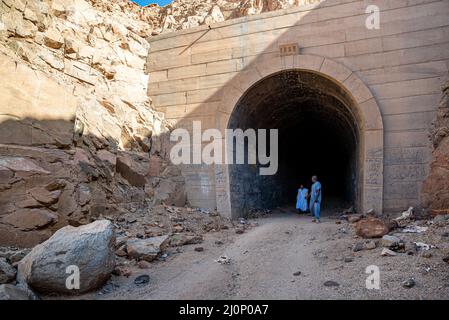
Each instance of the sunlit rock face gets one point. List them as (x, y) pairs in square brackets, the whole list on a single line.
[(184, 14)]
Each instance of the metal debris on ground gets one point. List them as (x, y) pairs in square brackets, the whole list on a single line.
[(423, 246), (414, 229), (405, 217)]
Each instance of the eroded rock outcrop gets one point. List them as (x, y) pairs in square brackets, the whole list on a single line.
[(435, 189), (185, 14), (73, 100)]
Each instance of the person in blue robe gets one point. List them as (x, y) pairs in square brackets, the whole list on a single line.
[(301, 199), (315, 199)]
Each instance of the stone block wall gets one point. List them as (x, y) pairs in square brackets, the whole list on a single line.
[(403, 65)]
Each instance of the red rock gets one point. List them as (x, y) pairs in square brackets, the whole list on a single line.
[(20, 164), (44, 196), (371, 228), (22, 239), (133, 167), (155, 166), (30, 219)]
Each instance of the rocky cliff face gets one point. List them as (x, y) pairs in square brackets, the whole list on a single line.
[(79, 138), (184, 14), (435, 190)]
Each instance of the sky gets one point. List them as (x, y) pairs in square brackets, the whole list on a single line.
[(159, 2)]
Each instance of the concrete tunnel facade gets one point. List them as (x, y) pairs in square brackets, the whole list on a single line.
[(345, 107)]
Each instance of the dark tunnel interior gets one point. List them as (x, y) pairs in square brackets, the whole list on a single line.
[(318, 135)]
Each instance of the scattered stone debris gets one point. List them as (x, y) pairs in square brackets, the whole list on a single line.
[(409, 283), (223, 260), (144, 264), (121, 271), (240, 230), (410, 248), (354, 218), (10, 292), (108, 288), (388, 253), (369, 245), (331, 283), (181, 239), (366, 245), (255, 213), (146, 249), (441, 220), (7, 272), (392, 243), (142, 280), (13, 254), (446, 259)]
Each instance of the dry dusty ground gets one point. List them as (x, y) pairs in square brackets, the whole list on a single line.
[(265, 258)]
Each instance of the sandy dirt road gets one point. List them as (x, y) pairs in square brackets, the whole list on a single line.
[(285, 257)]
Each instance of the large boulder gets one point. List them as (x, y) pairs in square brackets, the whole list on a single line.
[(371, 228), (146, 249), (90, 248)]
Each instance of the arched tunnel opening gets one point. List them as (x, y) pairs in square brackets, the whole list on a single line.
[(318, 134)]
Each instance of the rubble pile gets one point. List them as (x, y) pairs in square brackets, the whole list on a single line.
[(405, 234)]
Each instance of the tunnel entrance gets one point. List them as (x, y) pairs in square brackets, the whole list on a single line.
[(318, 135)]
